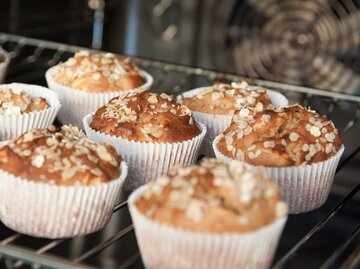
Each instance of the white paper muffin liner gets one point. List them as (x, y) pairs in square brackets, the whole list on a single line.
[(217, 124), (12, 126), (3, 143), (55, 211), (163, 246), (76, 103), (148, 160), (4, 65), (304, 187)]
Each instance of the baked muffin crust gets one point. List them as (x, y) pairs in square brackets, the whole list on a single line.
[(17, 102), (213, 197), (224, 99), (146, 117), (66, 157), (99, 73), (280, 137)]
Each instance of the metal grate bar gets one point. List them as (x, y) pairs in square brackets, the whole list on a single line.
[(8, 264), (331, 108), (317, 228), (131, 261), (120, 206), (95, 250), (348, 159), (352, 122), (31, 257), (330, 262), (353, 261), (306, 99), (10, 239), (41, 250)]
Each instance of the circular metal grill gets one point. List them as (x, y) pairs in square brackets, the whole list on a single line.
[(313, 43)]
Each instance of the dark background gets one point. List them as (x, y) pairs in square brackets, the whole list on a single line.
[(313, 43)]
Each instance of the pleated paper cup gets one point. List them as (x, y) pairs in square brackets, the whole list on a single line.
[(4, 143), (12, 126), (148, 160), (55, 211), (217, 124), (4, 64), (76, 103), (163, 246), (304, 187)]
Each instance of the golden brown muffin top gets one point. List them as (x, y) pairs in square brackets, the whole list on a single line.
[(66, 157), (17, 102), (213, 197), (280, 137), (99, 73), (224, 99), (146, 117)]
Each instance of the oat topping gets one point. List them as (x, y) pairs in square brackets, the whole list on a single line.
[(293, 137), (105, 70), (38, 160), (17, 102), (315, 131), (195, 191), (145, 116), (63, 155), (301, 133), (244, 112), (269, 144), (122, 108), (265, 118), (225, 98)]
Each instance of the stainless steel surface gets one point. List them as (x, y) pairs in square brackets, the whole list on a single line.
[(308, 241)]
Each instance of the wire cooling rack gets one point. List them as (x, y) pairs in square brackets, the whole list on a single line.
[(316, 239)]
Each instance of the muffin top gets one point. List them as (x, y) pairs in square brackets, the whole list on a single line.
[(213, 197), (224, 99), (17, 102), (280, 137), (99, 73), (146, 117), (66, 157)]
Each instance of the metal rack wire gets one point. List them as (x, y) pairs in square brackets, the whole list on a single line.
[(30, 59)]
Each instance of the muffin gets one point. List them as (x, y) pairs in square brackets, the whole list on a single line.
[(24, 107), (151, 131), (89, 81), (17, 102), (4, 63), (214, 106), (67, 181), (212, 215), (299, 149)]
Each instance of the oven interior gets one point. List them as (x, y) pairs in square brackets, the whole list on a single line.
[(325, 238)]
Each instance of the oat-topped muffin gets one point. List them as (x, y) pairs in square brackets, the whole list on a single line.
[(213, 197), (99, 73), (152, 132), (24, 107), (146, 117), (224, 99), (213, 215), (282, 137), (66, 157), (17, 102), (58, 184)]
